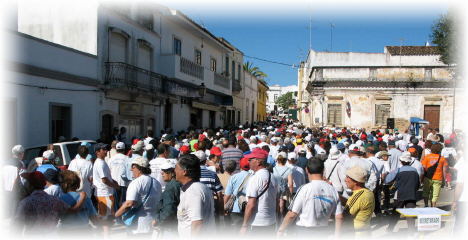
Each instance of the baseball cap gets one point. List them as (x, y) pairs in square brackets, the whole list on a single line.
[(168, 137), (49, 154), (257, 153), (283, 154), (120, 146), (334, 153), (184, 149), (169, 164), (216, 151), (149, 147), (405, 157), (299, 140), (141, 161), (292, 155), (357, 173), (138, 146), (100, 146), (353, 148), (244, 164), (51, 175), (200, 155), (382, 153), (340, 146)]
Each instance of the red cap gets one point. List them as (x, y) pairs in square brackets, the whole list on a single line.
[(216, 151), (363, 137), (257, 153), (448, 142), (201, 137), (135, 141), (380, 139), (244, 164), (195, 146), (184, 149), (380, 134), (240, 137)]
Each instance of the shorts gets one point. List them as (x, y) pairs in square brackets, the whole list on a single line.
[(431, 189), (105, 207)]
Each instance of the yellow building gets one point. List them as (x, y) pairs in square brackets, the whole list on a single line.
[(262, 99)]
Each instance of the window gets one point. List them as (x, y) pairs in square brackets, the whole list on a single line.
[(372, 73), (428, 73), (238, 71), (177, 47), (60, 122), (227, 64), (275, 97), (382, 112), (334, 114), (233, 70), (319, 74), (213, 64), (198, 59)]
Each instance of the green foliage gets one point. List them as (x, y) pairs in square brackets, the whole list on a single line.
[(285, 101), (444, 36), (255, 71)]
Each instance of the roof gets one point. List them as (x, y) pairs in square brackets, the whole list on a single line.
[(412, 50)]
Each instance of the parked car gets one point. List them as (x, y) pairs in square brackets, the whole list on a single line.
[(64, 152)]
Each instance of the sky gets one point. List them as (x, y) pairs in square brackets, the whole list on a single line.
[(279, 30)]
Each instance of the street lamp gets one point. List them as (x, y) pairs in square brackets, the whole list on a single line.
[(202, 90)]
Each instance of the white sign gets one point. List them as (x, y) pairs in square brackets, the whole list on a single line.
[(429, 222)]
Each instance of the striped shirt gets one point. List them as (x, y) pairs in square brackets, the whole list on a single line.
[(232, 153), (210, 179)]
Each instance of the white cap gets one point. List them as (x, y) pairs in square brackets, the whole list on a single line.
[(253, 138), (283, 154), (260, 145), (120, 145), (49, 154), (292, 155), (141, 161), (405, 157), (168, 164), (138, 146), (17, 150), (201, 155), (149, 147)]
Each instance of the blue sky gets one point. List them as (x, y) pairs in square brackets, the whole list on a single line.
[(280, 31)]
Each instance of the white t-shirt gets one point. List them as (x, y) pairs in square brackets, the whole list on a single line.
[(54, 190), (118, 166), (315, 202), (335, 177), (401, 144), (265, 212), (461, 178), (196, 203), (84, 168), (9, 176), (155, 166), (101, 170), (447, 151), (379, 166), (137, 191), (274, 151)]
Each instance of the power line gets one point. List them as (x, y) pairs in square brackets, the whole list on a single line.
[(271, 61), (60, 89)]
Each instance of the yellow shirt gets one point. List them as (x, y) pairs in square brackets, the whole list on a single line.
[(362, 209)]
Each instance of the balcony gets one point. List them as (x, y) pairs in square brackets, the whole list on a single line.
[(123, 75), (221, 80), (190, 68), (236, 86)]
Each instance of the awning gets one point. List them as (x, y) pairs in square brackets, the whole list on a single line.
[(418, 120), (205, 106)]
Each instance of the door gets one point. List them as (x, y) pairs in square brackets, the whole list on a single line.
[(431, 114)]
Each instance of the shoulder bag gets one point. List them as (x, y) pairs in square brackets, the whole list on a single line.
[(429, 173), (130, 216), (229, 205)]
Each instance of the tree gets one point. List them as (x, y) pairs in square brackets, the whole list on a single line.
[(255, 71), (285, 101), (444, 36)]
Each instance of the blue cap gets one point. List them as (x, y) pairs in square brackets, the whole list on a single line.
[(341, 146)]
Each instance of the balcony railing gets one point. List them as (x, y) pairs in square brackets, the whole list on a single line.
[(236, 86), (119, 74), (221, 80), (190, 68)]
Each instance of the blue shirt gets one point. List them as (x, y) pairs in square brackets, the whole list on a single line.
[(271, 161), (43, 168), (80, 218), (233, 185)]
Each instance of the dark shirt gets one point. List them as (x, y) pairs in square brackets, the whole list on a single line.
[(167, 208), (406, 182), (301, 162)]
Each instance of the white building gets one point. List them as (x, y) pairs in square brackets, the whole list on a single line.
[(135, 65), (275, 92), (365, 89)]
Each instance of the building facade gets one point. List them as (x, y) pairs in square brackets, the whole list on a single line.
[(365, 89), (262, 99), (276, 91), (87, 68), (251, 95)]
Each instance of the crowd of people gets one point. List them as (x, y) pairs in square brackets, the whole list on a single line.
[(275, 178)]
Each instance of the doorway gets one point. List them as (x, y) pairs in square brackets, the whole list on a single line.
[(431, 114)]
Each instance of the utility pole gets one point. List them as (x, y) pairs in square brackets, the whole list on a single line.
[(331, 36)]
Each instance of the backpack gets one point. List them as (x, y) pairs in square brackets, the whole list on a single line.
[(283, 184)]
